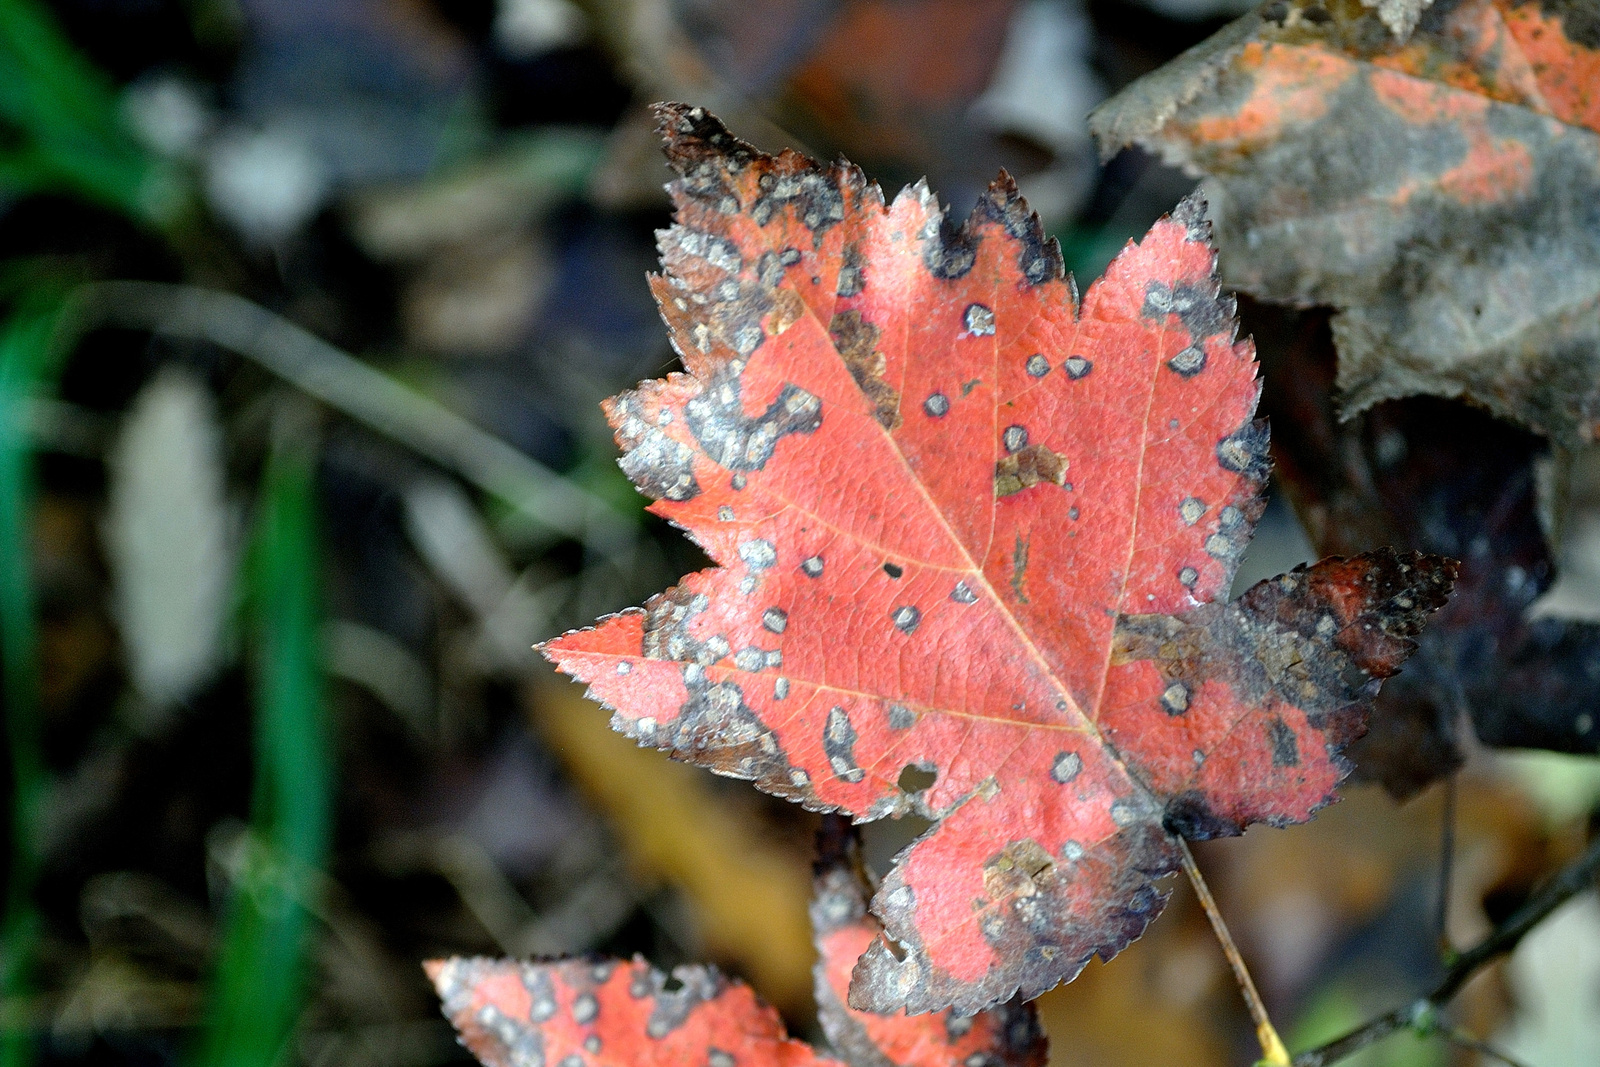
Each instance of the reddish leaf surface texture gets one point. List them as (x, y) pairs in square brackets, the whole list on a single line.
[(584, 1014), (966, 526), (1005, 1036), (610, 1014)]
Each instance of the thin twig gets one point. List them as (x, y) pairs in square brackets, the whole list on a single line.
[(1574, 879), (1447, 856), (362, 393), (1457, 1036), (1273, 1052)]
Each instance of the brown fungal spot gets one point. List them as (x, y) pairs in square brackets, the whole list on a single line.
[(1197, 304), (811, 566), (750, 659), (1189, 362), (673, 1007), (1076, 367), (662, 468), (788, 308), (1027, 468), (775, 620), (758, 554), (1285, 752), (1219, 546), (857, 342), (666, 629), (809, 195), (851, 280), (738, 442), (906, 618), (541, 996), (1038, 255), (1037, 366), (1066, 767), (937, 405), (948, 250), (978, 320), (1124, 812), (1017, 871), (1015, 438), (839, 743), (1245, 451)]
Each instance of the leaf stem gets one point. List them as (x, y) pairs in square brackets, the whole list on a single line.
[(1273, 1052), (1573, 879)]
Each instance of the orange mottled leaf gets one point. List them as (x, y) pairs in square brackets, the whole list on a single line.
[(1442, 191), (966, 527), (606, 1013), (586, 1013)]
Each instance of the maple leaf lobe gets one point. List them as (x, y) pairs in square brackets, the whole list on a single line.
[(1008, 1035), (967, 548), (581, 1013)]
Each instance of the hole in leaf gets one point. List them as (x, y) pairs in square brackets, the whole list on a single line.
[(893, 570), (896, 949), (914, 779), (672, 984), (881, 841)]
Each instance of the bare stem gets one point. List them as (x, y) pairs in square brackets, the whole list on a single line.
[(1482, 1048), (1447, 855), (1573, 879), (1273, 1052)]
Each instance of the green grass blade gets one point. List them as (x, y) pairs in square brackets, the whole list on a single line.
[(258, 988), (26, 364), (66, 115)]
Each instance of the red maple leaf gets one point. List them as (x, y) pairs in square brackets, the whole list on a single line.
[(574, 1013), (964, 526), (578, 1013)]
